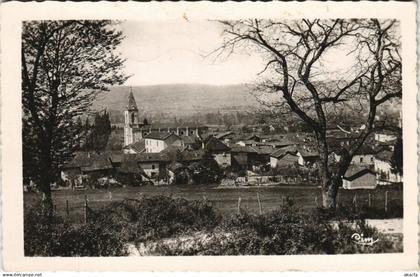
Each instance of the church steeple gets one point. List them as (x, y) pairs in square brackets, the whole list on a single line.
[(132, 106), (131, 120)]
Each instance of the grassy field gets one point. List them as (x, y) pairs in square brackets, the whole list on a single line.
[(223, 199)]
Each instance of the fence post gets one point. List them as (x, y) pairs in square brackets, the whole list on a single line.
[(67, 208), (86, 209), (239, 205), (369, 200), (386, 201), (259, 203)]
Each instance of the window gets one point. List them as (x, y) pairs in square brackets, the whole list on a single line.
[(153, 166), (361, 159), (371, 159), (132, 118)]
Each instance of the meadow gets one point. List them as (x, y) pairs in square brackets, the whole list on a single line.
[(70, 203)]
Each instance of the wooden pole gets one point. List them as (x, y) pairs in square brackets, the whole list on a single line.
[(86, 209), (259, 203), (386, 201), (239, 205), (67, 208)]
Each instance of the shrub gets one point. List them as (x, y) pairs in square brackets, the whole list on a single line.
[(283, 232), (159, 216), (52, 236)]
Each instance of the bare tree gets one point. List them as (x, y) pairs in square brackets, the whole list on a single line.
[(300, 77), (65, 64)]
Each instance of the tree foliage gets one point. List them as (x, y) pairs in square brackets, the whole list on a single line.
[(98, 134), (65, 64), (397, 157), (302, 75)]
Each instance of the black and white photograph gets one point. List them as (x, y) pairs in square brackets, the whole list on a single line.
[(212, 137)]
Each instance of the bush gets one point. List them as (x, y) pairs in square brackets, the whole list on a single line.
[(167, 226), (283, 232), (52, 236), (159, 216)]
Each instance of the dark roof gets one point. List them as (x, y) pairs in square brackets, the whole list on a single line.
[(97, 162), (263, 150), (283, 151), (79, 159), (194, 155), (384, 155), (214, 145), (130, 165), (366, 150), (156, 126), (87, 161), (354, 172), (131, 102), (152, 157), (138, 146), (307, 153), (224, 134), (242, 149), (159, 135), (252, 137), (189, 139)]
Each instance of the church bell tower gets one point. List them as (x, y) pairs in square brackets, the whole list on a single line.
[(131, 119)]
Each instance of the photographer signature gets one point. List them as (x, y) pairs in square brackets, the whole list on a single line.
[(360, 239)]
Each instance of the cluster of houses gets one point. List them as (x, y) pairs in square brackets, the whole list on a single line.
[(166, 154)]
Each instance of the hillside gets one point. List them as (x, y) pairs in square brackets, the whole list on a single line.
[(180, 99)]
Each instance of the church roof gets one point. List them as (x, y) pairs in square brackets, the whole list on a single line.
[(131, 102)]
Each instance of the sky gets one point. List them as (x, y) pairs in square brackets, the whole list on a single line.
[(174, 52), (168, 52)]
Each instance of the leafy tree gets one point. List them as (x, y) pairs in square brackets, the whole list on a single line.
[(397, 157), (301, 75), (99, 133), (65, 64)]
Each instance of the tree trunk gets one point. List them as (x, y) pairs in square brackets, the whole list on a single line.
[(47, 204), (329, 192)]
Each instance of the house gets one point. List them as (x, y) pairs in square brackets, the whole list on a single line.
[(307, 157), (155, 142), (85, 163), (385, 136), (365, 156), (219, 151), (130, 171), (136, 147), (191, 142), (383, 169), (153, 164), (262, 155), (281, 159), (241, 156), (358, 177)]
